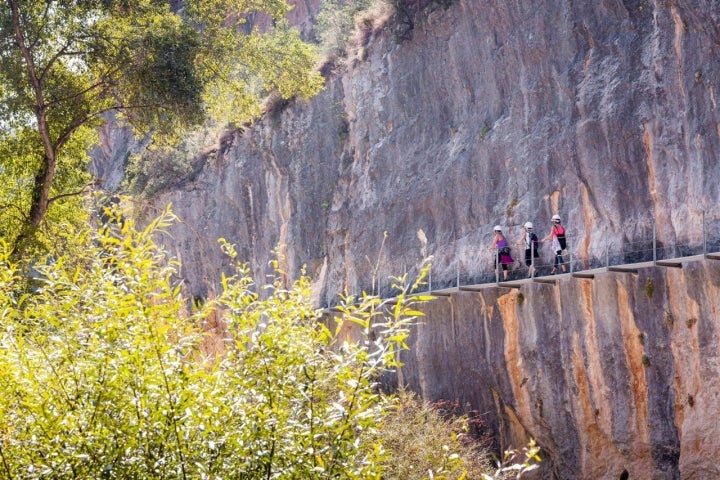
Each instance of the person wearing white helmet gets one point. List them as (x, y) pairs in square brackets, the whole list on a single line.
[(531, 247), (558, 242), (503, 254)]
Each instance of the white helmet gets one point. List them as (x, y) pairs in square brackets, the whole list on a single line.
[(555, 218), (528, 225), (497, 228)]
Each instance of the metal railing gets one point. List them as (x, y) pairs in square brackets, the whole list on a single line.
[(639, 242)]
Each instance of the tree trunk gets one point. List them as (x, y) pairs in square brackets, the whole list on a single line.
[(44, 177)]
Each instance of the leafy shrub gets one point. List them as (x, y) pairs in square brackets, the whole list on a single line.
[(345, 24), (161, 166), (425, 443), (335, 23), (104, 374)]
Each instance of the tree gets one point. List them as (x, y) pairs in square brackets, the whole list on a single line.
[(64, 63)]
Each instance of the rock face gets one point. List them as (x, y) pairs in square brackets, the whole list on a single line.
[(110, 157), (471, 114), (482, 114), (614, 374)]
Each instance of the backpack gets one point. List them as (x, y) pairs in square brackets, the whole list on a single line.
[(561, 236), (535, 244)]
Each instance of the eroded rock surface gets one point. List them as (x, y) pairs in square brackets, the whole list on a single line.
[(607, 374), (489, 113)]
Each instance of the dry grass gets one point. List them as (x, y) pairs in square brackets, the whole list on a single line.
[(368, 21), (419, 434)]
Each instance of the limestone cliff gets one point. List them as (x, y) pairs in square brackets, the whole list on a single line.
[(614, 374), (489, 113), (481, 113)]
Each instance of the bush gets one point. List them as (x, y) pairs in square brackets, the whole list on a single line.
[(104, 374), (161, 166), (427, 444), (342, 24)]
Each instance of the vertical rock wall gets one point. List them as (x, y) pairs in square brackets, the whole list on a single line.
[(483, 113), (618, 373), (501, 112)]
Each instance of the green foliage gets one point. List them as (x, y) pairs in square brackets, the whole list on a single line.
[(341, 23), (161, 166), (483, 132), (106, 373), (64, 64), (20, 161), (335, 23)]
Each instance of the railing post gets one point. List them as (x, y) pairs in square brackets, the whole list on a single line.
[(497, 266), (607, 253), (569, 249), (654, 243), (457, 273), (705, 252)]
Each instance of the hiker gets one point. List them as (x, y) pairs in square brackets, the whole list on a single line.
[(558, 242), (531, 247), (500, 244)]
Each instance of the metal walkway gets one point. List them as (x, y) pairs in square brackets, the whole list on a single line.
[(553, 280), (645, 250), (632, 268)]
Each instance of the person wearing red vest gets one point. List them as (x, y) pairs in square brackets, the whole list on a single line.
[(558, 242)]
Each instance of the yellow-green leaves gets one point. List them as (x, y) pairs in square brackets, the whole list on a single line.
[(63, 65), (108, 371)]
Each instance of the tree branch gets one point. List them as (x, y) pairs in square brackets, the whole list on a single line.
[(23, 216), (75, 95), (45, 15), (54, 59), (65, 136), (70, 194)]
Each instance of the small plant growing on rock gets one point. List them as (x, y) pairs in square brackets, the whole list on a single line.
[(649, 288), (691, 321), (511, 206), (483, 132), (509, 468)]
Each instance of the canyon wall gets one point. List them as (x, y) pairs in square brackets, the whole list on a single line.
[(620, 373), (482, 113)]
